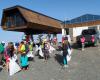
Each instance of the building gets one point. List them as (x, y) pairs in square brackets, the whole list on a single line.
[(20, 19), (78, 24)]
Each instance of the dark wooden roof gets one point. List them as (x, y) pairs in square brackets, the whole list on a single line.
[(35, 21)]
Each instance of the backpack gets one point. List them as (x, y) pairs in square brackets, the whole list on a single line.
[(22, 48)]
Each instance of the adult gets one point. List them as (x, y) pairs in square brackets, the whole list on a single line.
[(65, 46)]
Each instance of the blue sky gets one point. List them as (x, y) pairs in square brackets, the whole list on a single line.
[(59, 9)]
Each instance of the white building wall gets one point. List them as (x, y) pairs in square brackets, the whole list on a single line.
[(77, 31), (63, 32), (98, 27)]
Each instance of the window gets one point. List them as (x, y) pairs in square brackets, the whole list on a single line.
[(8, 23), (14, 20)]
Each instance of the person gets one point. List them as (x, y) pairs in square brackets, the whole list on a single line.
[(46, 50), (1, 52), (17, 44), (16, 47), (23, 57), (93, 40), (24, 62), (55, 40), (65, 51), (40, 49), (83, 42), (37, 49), (7, 53), (30, 53), (12, 65)]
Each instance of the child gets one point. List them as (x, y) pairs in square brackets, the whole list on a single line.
[(24, 61), (83, 42), (30, 52), (46, 50), (93, 40), (8, 53)]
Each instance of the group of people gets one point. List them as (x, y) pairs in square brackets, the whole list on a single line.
[(44, 48), (9, 54)]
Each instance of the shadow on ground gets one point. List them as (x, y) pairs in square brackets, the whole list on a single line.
[(59, 59), (0, 69)]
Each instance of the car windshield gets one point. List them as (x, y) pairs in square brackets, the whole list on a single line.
[(89, 32)]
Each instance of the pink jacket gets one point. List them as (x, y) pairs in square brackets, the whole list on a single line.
[(82, 40), (93, 39)]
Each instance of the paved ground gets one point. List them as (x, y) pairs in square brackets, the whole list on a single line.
[(84, 65)]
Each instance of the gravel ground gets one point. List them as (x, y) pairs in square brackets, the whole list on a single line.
[(84, 65)]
